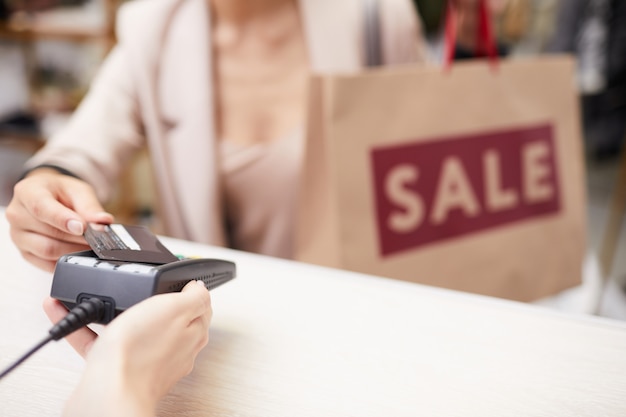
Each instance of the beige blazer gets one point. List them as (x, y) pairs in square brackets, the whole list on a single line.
[(155, 87)]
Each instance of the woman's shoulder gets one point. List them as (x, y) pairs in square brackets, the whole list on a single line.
[(141, 18), (403, 37), (143, 10)]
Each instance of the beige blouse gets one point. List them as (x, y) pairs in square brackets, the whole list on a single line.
[(260, 186)]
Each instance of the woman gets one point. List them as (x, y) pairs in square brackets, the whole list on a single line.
[(217, 89)]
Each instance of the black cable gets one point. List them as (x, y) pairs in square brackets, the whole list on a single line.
[(26, 356), (81, 315)]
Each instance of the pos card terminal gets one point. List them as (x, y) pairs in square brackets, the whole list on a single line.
[(126, 265)]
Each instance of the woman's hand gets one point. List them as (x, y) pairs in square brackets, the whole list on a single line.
[(48, 215), (140, 355)]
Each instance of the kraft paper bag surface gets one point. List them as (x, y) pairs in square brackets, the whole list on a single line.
[(470, 179)]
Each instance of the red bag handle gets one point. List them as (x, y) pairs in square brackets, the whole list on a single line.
[(485, 40)]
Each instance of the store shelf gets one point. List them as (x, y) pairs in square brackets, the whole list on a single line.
[(29, 31), (93, 22)]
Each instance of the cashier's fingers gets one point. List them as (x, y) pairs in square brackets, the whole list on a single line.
[(192, 302), (199, 309), (82, 339), (199, 326), (199, 304)]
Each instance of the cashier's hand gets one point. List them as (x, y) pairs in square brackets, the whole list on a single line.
[(48, 214), (140, 355)]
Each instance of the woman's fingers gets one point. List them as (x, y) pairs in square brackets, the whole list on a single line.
[(22, 221), (47, 266), (45, 248), (48, 216)]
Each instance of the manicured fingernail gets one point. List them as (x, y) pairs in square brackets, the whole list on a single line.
[(75, 227), (201, 283)]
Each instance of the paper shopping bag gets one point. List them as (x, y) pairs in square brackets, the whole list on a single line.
[(470, 179)]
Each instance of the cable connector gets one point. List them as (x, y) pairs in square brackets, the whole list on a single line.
[(87, 312), (81, 315)]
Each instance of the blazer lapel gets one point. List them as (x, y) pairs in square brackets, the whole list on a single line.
[(187, 109), (333, 29)]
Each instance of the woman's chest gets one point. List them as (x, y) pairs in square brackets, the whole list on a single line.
[(260, 84)]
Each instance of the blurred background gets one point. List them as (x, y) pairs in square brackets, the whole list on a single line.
[(50, 50)]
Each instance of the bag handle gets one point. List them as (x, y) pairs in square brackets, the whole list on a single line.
[(371, 30), (485, 40)]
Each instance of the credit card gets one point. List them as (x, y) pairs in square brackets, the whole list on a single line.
[(118, 242)]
